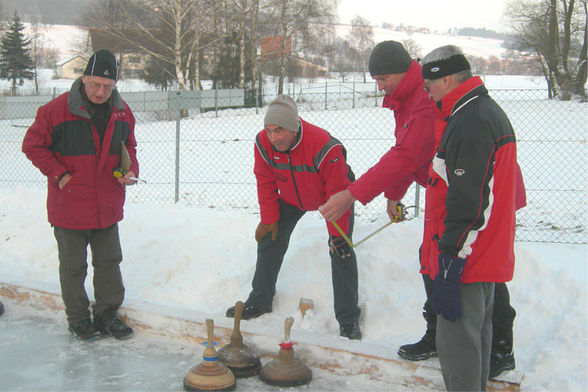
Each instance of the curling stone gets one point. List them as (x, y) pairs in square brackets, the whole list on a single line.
[(242, 360), (210, 375), (286, 370)]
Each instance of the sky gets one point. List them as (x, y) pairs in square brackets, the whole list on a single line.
[(438, 15)]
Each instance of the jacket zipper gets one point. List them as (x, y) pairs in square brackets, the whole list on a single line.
[(294, 181)]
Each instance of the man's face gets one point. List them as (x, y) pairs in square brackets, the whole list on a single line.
[(281, 138), (435, 88), (388, 82), (98, 89)]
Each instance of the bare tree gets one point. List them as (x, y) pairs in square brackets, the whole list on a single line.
[(556, 31), (298, 21), (361, 38), (413, 48)]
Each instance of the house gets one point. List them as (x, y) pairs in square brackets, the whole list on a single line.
[(71, 67)]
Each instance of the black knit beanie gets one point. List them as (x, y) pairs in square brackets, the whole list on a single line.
[(103, 64), (389, 57)]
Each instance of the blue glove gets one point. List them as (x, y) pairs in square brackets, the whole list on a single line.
[(446, 288)]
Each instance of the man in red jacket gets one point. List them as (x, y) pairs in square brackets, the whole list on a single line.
[(298, 166), (474, 190), (76, 141)]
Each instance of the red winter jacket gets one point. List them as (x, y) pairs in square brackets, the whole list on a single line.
[(63, 139), (474, 189), (304, 176), (409, 159)]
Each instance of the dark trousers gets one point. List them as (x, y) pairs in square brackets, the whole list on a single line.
[(73, 268), (270, 256), (502, 317)]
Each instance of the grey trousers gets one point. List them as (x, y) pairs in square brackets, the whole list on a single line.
[(464, 345), (73, 268), (270, 256)]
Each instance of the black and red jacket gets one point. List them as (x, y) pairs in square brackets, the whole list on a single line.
[(474, 188), (63, 139), (304, 176)]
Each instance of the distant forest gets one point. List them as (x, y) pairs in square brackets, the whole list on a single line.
[(66, 12)]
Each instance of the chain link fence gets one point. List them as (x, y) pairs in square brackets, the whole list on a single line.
[(196, 148)]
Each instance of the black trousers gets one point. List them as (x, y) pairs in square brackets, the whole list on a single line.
[(502, 317), (270, 256), (73, 268)]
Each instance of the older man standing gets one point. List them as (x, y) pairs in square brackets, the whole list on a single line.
[(77, 141), (473, 192)]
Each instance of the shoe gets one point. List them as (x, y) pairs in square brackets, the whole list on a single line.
[(350, 331), (423, 349), (108, 323), (84, 330), (249, 312), (499, 362), (1, 308)]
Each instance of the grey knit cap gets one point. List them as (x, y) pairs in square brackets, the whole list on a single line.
[(389, 57), (283, 112)]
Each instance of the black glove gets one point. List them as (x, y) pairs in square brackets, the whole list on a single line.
[(338, 246), (446, 288)]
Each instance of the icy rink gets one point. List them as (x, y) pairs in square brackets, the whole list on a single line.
[(39, 354)]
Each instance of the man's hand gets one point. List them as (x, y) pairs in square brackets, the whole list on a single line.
[(264, 228), (337, 205), (392, 210), (340, 247), (127, 179), (447, 287), (64, 180)]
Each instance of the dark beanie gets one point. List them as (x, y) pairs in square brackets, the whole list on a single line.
[(389, 57), (283, 112), (103, 64)]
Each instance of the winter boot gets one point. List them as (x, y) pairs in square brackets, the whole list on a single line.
[(108, 323), (84, 330), (249, 312), (501, 358), (423, 349), (350, 331)]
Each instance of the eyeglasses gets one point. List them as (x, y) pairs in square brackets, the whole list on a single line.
[(427, 83)]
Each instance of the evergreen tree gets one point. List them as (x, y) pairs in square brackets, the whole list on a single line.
[(15, 59)]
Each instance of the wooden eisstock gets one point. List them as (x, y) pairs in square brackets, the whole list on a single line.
[(286, 370), (210, 375), (237, 356)]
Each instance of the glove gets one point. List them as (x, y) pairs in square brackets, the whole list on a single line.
[(264, 228), (338, 246), (446, 287)]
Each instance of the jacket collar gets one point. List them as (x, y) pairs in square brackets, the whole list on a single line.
[(460, 96), (75, 100), (412, 79)]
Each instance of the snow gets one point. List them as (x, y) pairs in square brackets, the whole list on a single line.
[(202, 260)]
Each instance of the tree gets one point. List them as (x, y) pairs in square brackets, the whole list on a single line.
[(361, 38), (15, 60), (298, 21), (556, 31)]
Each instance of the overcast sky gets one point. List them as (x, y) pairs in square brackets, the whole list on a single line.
[(438, 15)]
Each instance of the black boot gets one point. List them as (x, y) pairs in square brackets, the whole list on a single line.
[(423, 349), (84, 330), (1, 308), (249, 312), (108, 323), (350, 331), (501, 358)]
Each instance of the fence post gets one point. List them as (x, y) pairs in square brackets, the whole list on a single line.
[(353, 106), (216, 100), (177, 185), (376, 93), (326, 93)]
